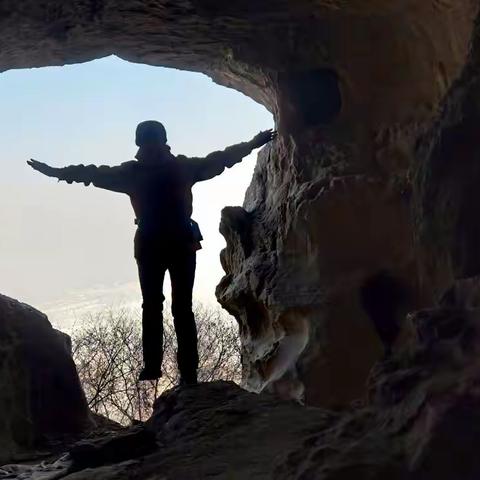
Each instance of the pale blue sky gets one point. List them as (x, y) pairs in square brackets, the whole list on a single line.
[(67, 248)]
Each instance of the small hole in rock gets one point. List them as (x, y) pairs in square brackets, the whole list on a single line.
[(316, 94), (384, 298)]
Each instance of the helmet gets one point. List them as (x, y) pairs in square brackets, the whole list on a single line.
[(150, 132)]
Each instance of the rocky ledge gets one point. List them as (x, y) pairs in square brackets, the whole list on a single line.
[(419, 421)]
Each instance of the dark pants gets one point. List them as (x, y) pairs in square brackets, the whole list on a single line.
[(153, 260)]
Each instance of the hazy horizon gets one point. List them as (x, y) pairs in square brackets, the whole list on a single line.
[(68, 249)]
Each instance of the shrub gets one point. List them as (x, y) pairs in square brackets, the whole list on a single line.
[(107, 349)]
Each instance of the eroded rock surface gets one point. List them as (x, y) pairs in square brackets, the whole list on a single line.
[(322, 264), (41, 399)]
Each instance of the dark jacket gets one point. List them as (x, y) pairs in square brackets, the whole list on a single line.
[(160, 193)]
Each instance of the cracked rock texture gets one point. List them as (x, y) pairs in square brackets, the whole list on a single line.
[(321, 261), (41, 399)]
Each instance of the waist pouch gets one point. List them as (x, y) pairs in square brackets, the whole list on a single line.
[(197, 234), (148, 241)]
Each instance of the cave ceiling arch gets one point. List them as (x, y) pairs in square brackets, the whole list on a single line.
[(246, 45)]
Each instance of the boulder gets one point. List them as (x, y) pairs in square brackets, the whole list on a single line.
[(41, 399)]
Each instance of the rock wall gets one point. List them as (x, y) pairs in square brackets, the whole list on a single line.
[(41, 399), (321, 262)]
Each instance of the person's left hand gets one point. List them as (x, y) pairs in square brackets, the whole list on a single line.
[(263, 138), (42, 168)]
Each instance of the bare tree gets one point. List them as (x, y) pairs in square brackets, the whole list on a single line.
[(107, 349)]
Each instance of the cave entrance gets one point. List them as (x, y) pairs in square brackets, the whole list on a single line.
[(67, 247)]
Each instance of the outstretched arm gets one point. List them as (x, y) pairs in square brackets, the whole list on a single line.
[(116, 179), (215, 163)]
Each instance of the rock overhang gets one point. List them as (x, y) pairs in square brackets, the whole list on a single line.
[(376, 50)]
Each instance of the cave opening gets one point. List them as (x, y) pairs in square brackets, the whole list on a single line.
[(352, 87), (81, 256)]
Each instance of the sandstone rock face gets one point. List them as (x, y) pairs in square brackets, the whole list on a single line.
[(320, 263), (40, 394)]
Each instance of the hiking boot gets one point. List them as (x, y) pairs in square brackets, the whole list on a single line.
[(150, 374)]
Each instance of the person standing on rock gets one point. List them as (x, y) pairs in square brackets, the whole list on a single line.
[(160, 188)]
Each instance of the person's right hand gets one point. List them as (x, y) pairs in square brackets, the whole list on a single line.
[(42, 168), (263, 138)]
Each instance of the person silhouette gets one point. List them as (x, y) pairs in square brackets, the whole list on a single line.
[(159, 185)]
